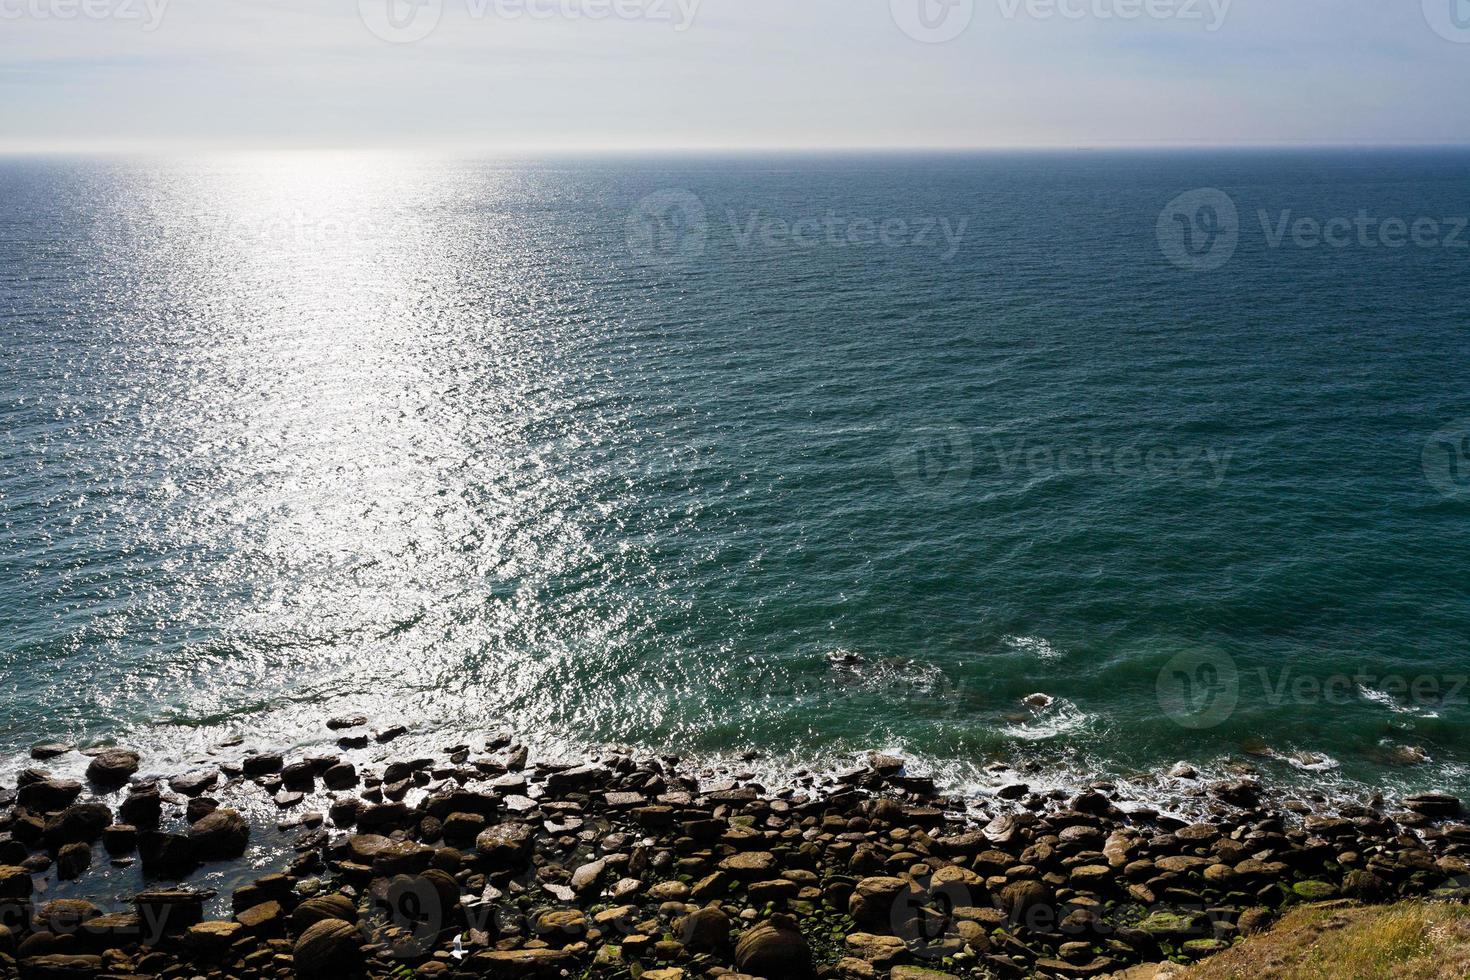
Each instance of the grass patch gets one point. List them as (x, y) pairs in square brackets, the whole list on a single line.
[(1407, 941)]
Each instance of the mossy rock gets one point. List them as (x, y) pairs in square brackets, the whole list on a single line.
[(1200, 948), (1172, 924), (1314, 891)]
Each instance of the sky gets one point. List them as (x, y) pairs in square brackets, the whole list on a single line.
[(586, 75)]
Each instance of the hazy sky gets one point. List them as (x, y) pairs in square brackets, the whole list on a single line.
[(532, 74)]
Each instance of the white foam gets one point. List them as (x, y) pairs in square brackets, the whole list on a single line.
[(1057, 718), (1037, 646)]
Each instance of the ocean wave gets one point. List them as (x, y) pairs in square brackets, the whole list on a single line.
[(1049, 718), (1394, 704), (1034, 645)]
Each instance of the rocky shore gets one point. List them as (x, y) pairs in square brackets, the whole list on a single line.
[(477, 862)]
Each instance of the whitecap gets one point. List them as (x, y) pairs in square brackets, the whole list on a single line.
[(1058, 718), (1312, 761), (1036, 646), (1384, 698), (1394, 704)]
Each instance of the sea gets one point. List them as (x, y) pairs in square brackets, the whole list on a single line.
[(1082, 463)]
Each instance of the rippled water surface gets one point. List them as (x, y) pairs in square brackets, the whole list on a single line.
[(467, 443)]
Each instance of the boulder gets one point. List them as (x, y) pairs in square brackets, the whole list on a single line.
[(327, 950), (705, 930), (78, 823), (14, 882), (774, 949), (194, 783), (72, 861), (505, 845), (321, 907), (209, 940), (874, 901), (112, 767), (343, 775), (48, 795), (220, 836), (142, 808)]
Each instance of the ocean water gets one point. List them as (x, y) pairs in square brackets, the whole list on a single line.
[(803, 456)]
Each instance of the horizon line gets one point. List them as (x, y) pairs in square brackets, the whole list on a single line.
[(185, 148)]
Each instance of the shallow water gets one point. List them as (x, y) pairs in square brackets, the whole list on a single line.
[(467, 443)]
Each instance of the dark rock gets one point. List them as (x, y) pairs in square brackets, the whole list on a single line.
[(267, 918), (120, 838), (328, 949), (72, 861), (262, 765), (200, 807), (874, 900), (705, 930), (384, 816), (166, 855), (343, 775), (1366, 887), (462, 828), (577, 779), (315, 910), (64, 915), (299, 776), (141, 809), (169, 910), (211, 940), (1244, 793), (402, 858), (48, 795), (194, 783), (60, 966), (78, 823), (1028, 902), (774, 949), (112, 767), (1434, 804), (505, 845), (14, 882), (220, 836)]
